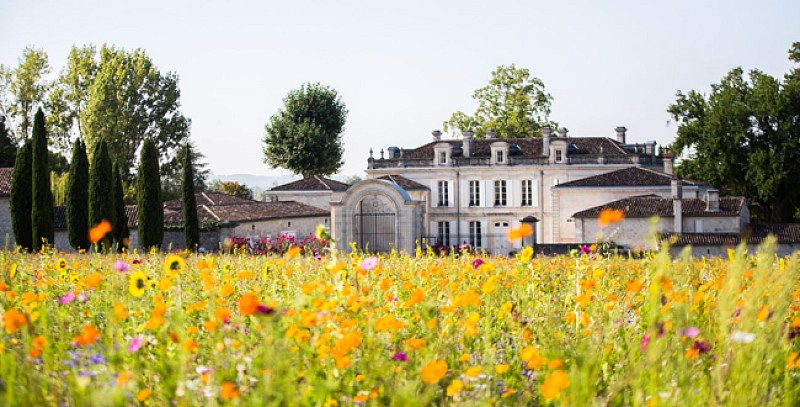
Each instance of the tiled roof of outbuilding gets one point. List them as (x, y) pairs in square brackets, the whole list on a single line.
[(405, 183), (785, 233), (628, 177), (5, 182), (652, 205), (314, 183), (60, 217)]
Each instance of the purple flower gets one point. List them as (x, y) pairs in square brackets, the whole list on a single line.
[(98, 359), (265, 310), (400, 357), (121, 266), (586, 249), (136, 343), (67, 298), (477, 263), (369, 263), (702, 346), (691, 332)]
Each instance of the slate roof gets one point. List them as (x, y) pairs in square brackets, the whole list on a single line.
[(5, 182), (628, 177), (208, 198), (405, 183), (60, 217), (786, 233), (525, 147), (646, 206), (314, 183), (249, 211)]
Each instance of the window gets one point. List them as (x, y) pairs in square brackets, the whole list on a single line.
[(474, 193), (443, 195), (527, 192), (500, 156), (698, 226), (500, 193), (444, 233), (475, 234), (442, 157), (559, 156)]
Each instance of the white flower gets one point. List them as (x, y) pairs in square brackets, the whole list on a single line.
[(742, 337)]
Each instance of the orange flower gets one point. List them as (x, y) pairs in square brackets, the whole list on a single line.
[(123, 378), (553, 384), (609, 216), (228, 391), (223, 315), (293, 251), (434, 371), (144, 394), (93, 281), (13, 320), (763, 313), (99, 230), (524, 230), (88, 336), (249, 304)]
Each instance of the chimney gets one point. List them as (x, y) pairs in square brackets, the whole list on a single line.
[(466, 145), (437, 135), (677, 205), (562, 132), (491, 133), (712, 200), (669, 165), (546, 133), (621, 134), (394, 152)]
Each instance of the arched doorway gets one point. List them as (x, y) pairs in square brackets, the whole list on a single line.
[(374, 223)]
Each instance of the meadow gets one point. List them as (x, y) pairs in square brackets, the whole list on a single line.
[(398, 329)]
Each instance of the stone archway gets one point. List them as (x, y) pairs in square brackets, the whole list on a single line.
[(377, 215)]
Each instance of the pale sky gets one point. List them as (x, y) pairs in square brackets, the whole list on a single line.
[(402, 68)]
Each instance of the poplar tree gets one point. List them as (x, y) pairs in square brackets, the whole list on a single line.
[(78, 198), (151, 211), (191, 226), (43, 230), (101, 204), (120, 229), (21, 197)]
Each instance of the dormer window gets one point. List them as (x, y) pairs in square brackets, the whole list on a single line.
[(442, 157), (500, 159), (559, 156), (442, 154), (499, 153)]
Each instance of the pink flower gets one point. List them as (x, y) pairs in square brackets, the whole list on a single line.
[(121, 266), (691, 332), (136, 343), (67, 298), (477, 263), (369, 263), (400, 357), (645, 342)]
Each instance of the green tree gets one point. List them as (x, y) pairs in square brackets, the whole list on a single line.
[(191, 225), (234, 188), (151, 211), (120, 97), (78, 198), (120, 229), (8, 149), (744, 138), (24, 88), (22, 197), (59, 184), (101, 192), (513, 104), (172, 184), (43, 230), (305, 136)]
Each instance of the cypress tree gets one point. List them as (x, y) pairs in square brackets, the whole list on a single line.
[(42, 207), (120, 230), (151, 210), (8, 150), (101, 204), (191, 227), (78, 198), (21, 197)]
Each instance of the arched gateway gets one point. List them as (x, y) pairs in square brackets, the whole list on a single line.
[(378, 215)]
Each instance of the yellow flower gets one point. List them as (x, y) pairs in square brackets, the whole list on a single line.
[(137, 283), (474, 371), (173, 266), (454, 387), (62, 264), (434, 371), (501, 368)]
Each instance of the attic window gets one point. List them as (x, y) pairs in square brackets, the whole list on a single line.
[(442, 157), (559, 156), (500, 157)]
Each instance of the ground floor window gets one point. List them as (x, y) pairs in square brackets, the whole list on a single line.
[(444, 233), (475, 234)]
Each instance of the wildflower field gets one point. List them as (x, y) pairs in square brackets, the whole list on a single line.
[(398, 329)]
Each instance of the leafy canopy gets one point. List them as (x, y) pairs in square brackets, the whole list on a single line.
[(513, 104), (305, 136), (744, 137)]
